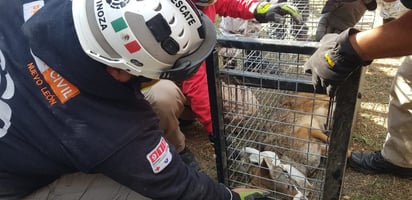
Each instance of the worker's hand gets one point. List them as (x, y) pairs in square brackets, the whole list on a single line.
[(251, 194), (266, 12), (333, 61), (339, 15)]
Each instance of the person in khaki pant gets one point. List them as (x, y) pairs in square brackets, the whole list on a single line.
[(169, 103), (340, 54), (397, 148)]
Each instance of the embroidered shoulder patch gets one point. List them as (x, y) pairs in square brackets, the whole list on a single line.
[(160, 157)]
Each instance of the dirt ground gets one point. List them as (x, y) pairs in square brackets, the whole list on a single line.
[(369, 134)]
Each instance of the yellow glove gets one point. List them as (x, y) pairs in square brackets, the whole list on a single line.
[(251, 194), (266, 12)]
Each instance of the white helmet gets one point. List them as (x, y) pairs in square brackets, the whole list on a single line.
[(158, 39)]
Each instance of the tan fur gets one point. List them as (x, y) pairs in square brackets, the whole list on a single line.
[(273, 178), (304, 143), (309, 117), (304, 102)]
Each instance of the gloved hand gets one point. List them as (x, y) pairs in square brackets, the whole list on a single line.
[(266, 12), (339, 15), (333, 61), (251, 194)]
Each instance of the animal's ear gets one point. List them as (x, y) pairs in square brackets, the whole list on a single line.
[(264, 178), (271, 170), (264, 169)]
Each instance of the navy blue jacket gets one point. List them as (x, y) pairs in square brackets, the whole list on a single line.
[(62, 112)]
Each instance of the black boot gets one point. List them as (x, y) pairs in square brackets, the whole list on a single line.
[(374, 163)]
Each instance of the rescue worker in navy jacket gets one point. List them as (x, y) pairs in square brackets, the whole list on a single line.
[(68, 102)]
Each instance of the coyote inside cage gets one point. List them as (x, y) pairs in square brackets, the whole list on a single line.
[(292, 149)]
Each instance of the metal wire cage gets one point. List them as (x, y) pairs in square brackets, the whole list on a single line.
[(272, 129), (287, 29), (267, 120)]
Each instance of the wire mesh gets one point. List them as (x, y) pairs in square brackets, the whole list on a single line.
[(260, 119), (287, 29)]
